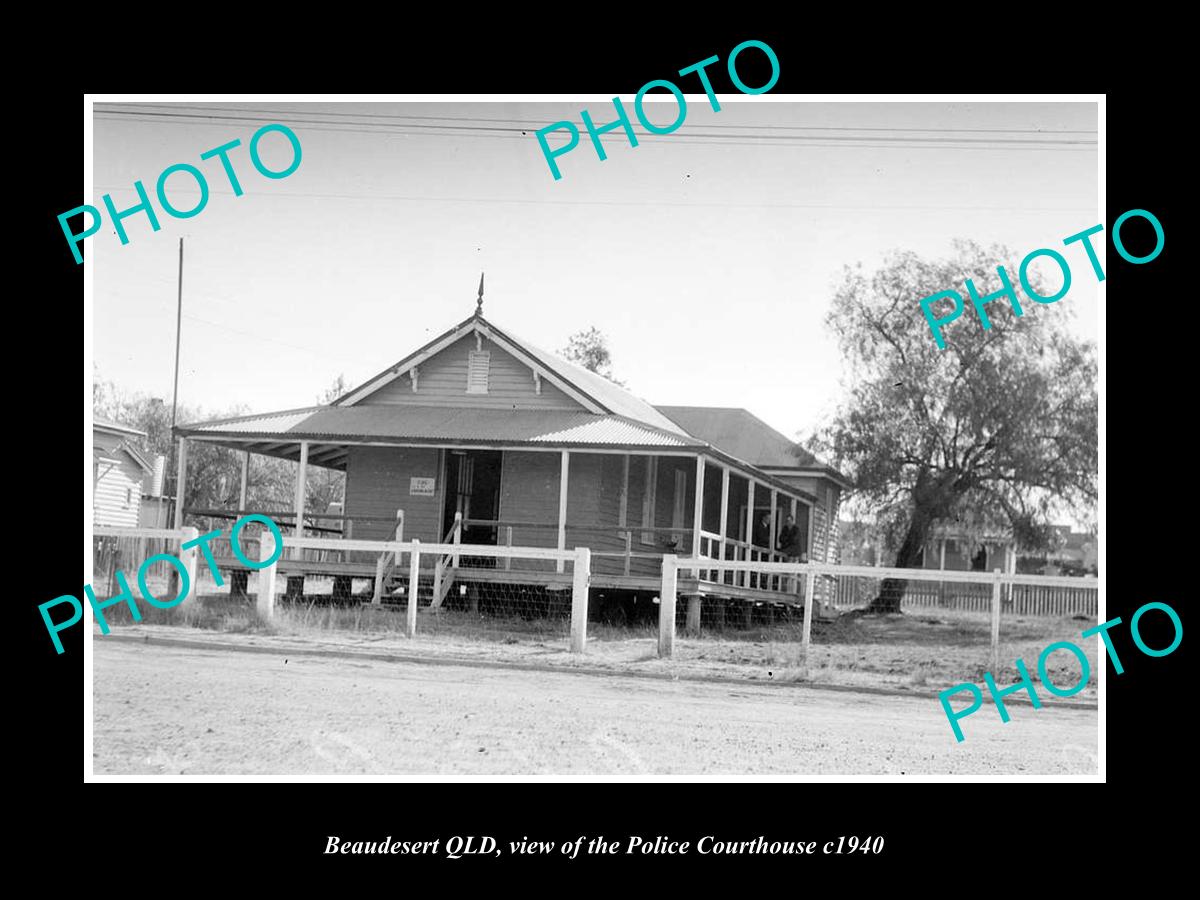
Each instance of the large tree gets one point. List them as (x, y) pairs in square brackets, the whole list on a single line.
[(999, 427), (590, 349)]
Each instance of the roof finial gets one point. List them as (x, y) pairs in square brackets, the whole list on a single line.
[(479, 302)]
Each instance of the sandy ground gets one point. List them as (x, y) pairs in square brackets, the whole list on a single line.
[(261, 704)]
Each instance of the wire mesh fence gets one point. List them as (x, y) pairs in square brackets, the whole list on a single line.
[(497, 611), (899, 630), (904, 627), (128, 554), (249, 577), (167, 583), (449, 589), (910, 626)]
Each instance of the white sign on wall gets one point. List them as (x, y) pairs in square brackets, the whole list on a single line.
[(421, 487)]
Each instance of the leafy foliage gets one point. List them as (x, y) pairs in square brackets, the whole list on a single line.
[(214, 473), (997, 430), (590, 350)]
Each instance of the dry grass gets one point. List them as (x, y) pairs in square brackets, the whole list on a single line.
[(925, 650), (214, 613)]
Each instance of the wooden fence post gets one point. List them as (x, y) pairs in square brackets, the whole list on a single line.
[(188, 558), (666, 605), (809, 600), (266, 576), (414, 579), (994, 660), (380, 565), (579, 598), (693, 615)]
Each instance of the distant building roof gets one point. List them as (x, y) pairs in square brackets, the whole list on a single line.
[(99, 453), (103, 425), (125, 433), (742, 434)]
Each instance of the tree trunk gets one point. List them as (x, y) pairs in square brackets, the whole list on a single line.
[(891, 591)]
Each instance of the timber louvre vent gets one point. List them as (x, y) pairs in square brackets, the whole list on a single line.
[(477, 371)]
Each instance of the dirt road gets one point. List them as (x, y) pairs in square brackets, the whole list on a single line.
[(162, 709)]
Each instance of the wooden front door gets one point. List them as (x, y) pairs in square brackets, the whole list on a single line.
[(473, 489)]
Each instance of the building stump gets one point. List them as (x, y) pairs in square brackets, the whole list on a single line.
[(295, 587), (239, 584), (343, 588)]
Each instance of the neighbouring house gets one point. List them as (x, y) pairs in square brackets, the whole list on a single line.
[(1073, 553), (483, 433), (119, 469), (953, 550)]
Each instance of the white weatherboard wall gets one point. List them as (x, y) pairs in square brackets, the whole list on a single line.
[(116, 482), (118, 492)]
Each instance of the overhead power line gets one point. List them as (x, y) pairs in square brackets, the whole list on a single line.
[(524, 200), (528, 125), (694, 137)]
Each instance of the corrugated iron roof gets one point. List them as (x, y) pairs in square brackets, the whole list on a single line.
[(434, 423), (609, 395), (742, 434)]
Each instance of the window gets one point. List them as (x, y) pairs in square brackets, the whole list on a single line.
[(980, 560), (477, 371), (128, 497)]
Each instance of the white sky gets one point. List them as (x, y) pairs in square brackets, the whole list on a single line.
[(710, 268)]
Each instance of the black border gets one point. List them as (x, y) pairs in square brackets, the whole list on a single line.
[(941, 831)]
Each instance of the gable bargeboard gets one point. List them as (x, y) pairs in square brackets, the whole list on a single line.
[(442, 381)]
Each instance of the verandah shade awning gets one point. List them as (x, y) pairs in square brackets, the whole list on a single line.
[(279, 434)]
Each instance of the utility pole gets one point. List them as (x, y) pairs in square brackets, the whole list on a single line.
[(175, 391)]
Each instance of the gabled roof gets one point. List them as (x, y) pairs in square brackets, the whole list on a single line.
[(741, 434), (136, 455), (99, 453), (126, 446), (611, 396), (609, 416), (594, 393)]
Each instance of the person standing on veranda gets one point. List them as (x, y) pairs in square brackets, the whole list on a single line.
[(789, 543), (789, 540)]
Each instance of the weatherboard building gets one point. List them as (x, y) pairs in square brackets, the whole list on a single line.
[(479, 437)]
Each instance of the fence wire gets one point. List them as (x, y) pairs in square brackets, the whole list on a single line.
[(936, 630), (925, 629)]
